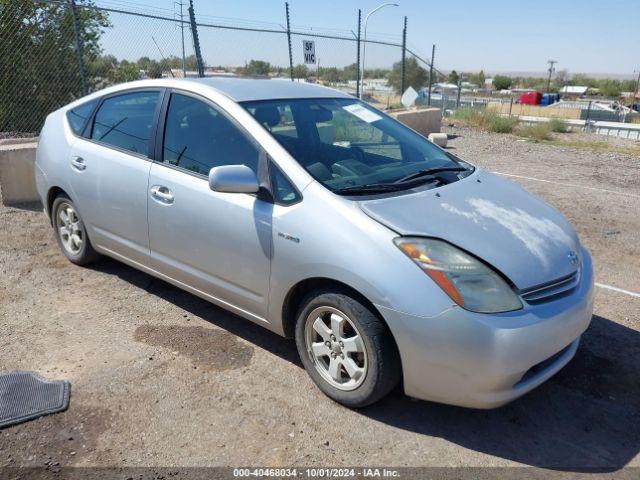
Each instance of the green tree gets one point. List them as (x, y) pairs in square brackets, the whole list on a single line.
[(454, 77), (38, 61), (154, 70), (256, 68), (502, 82), (415, 75), (330, 75), (349, 73), (300, 71), (478, 78), (610, 88)]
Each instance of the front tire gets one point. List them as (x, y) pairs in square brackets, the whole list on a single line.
[(346, 349), (71, 233)]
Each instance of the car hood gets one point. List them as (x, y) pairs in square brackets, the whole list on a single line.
[(518, 234)]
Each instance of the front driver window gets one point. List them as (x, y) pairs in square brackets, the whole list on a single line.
[(198, 137)]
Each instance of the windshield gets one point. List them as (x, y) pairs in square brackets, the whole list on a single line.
[(352, 148)]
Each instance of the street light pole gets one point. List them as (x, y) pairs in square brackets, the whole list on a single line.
[(364, 45)]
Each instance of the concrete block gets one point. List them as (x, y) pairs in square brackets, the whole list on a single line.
[(439, 139), (422, 120), (17, 179)]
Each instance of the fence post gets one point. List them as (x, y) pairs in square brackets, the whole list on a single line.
[(404, 51), (196, 41), (286, 6), (79, 47), (510, 107), (358, 55), (459, 90), (587, 123), (433, 56)]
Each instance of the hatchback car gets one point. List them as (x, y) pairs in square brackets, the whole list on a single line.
[(308, 212)]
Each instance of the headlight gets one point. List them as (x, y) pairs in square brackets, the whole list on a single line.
[(469, 282)]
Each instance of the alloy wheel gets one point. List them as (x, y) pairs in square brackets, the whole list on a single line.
[(336, 348), (70, 228)]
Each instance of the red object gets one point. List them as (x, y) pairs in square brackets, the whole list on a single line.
[(531, 98)]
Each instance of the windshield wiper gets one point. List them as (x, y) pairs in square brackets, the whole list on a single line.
[(369, 188), (428, 172)]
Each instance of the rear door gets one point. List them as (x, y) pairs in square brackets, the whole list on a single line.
[(109, 171), (216, 243)]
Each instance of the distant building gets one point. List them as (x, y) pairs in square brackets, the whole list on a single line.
[(573, 91), (446, 88)]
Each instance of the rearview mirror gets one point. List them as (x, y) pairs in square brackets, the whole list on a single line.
[(233, 179)]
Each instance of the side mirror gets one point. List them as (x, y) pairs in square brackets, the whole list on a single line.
[(233, 179)]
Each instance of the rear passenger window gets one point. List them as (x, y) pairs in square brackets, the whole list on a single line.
[(125, 121), (198, 137), (78, 116)]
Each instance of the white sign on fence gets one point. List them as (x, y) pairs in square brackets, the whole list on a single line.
[(309, 51)]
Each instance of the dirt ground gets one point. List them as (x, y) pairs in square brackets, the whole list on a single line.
[(162, 378)]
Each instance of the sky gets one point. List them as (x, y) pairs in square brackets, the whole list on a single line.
[(584, 36)]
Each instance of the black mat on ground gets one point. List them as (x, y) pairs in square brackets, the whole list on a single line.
[(25, 396)]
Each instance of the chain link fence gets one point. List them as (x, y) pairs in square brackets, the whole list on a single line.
[(55, 51)]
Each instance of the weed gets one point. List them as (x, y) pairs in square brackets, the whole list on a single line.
[(538, 131)]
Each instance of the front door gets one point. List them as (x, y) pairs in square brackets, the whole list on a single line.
[(216, 243)]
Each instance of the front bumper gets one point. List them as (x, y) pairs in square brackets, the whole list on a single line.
[(484, 361)]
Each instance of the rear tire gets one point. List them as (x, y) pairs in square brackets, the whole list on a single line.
[(71, 233), (347, 350)]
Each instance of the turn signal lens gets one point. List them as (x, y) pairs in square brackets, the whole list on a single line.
[(466, 280)]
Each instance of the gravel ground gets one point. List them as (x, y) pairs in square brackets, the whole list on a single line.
[(162, 378)]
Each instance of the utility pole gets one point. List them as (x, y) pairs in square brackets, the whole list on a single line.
[(433, 56), (551, 70), (196, 41), (403, 71), (286, 7), (358, 55), (184, 66)]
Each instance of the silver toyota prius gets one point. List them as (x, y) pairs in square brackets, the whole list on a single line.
[(388, 259)]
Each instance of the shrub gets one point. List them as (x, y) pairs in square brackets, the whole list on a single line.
[(485, 119), (466, 114), (537, 131), (499, 124), (559, 126)]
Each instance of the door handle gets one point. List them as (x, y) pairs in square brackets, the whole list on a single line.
[(163, 194), (78, 163)]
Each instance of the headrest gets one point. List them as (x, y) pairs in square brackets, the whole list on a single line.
[(267, 114)]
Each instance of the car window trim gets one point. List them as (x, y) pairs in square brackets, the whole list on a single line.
[(154, 122)]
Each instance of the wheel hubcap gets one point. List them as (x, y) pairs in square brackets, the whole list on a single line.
[(335, 347), (70, 228)]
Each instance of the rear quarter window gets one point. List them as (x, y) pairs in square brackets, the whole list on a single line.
[(78, 116)]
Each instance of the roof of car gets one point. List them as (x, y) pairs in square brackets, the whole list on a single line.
[(249, 89)]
